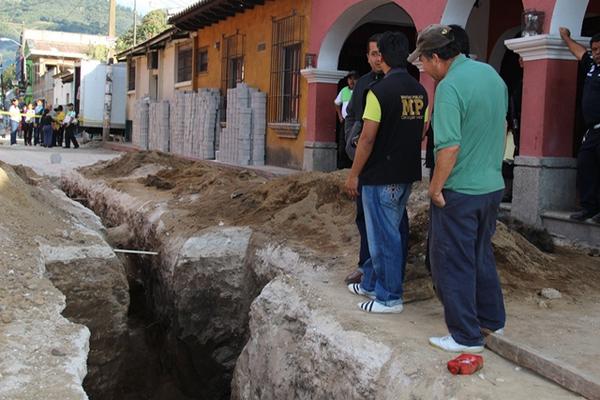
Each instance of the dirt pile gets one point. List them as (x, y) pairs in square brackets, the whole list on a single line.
[(311, 209)]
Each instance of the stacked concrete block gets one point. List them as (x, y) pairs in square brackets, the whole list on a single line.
[(208, 105), (188, 120), (242, 142), (141, 124), (194, 121), (176, 121), (159, 129), (259, 127)]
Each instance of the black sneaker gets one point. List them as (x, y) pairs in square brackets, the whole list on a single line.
[(582, 215), (596, 218)]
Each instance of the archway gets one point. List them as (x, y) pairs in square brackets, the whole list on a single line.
[(352, 54), (387, 17), (334, 20), (569, 13), (340, 30)]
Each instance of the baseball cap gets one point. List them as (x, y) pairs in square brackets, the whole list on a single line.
[(430, 38)]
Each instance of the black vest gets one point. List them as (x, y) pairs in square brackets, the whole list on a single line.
[(396, 155)]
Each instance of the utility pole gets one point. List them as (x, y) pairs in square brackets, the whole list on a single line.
[(112, 31), (1, 84), (134, 23), (112, 18)]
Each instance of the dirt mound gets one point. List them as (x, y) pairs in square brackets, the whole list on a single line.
[(125, 165), (157, 182), (27, 174), (311, 209)]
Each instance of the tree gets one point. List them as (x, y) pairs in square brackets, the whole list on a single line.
[(9, 76), (98, 52), (151, 25)]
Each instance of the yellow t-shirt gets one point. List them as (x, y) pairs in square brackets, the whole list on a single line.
[(58, 120), (372, 108)]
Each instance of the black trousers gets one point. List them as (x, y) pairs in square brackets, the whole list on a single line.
[(588, 171), (60, 133), (27, 132), (70, 137)]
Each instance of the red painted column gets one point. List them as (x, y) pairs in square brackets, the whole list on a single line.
[(548, 111), (321, 112)]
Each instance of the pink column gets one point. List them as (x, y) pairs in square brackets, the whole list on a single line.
[(548, 113), (321, 112)]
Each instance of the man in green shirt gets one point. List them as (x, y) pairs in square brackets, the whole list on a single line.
[(469, 120)]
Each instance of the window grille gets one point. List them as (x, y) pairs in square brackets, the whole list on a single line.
[(232, 66), (284, 96), (152, 59), (184, 63), (202, 61), (131, 74)]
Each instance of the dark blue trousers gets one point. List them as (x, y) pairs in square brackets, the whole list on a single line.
[(364, 254), (463, 266), (588, 171)]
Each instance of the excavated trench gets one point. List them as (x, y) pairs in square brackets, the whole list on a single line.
[(187, 320)]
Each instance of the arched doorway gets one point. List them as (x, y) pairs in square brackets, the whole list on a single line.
[(352, 56), (332, 22)]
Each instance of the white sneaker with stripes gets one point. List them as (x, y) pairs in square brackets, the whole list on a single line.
[(378, 308)]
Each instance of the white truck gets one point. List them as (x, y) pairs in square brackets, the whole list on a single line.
[(90, 83)]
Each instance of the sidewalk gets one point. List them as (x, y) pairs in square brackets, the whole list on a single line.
[(52, 161)]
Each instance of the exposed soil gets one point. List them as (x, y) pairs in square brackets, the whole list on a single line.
[(311, 210), (311, 213)]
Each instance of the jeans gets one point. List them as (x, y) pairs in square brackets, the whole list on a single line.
[(47, 130), (383, 272), (14, 127), (463, 266), (363, 254)]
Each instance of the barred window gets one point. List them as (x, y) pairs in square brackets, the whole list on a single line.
[(131, 74), (184, 63), (232, 64), (284, 96), (202, 61)]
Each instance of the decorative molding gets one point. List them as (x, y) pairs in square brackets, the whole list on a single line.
[(316, 75), (183, 84), (543, 47), (285, 130), (320, 145)]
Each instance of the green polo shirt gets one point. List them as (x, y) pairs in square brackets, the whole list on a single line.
[(470, 111)]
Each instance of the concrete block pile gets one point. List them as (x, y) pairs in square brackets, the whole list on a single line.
[(242, 142), (141, 124), (194, 123), (176, 121), (159, 129)]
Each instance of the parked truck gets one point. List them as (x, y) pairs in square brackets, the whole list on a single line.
[(90, 80)]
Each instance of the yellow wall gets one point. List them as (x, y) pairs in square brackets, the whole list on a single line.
[(141, 86), (166, 78), (256, 25)]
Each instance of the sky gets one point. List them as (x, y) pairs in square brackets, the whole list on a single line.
[(143, 6)]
